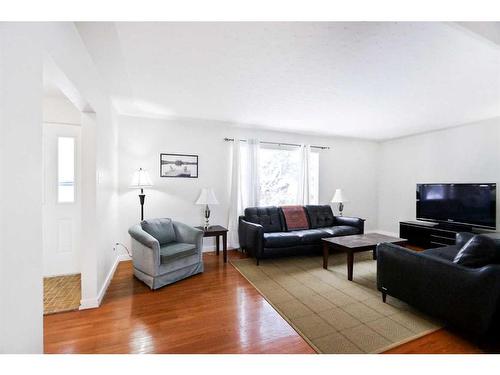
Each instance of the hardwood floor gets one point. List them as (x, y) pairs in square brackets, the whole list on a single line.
[(214, 312), (439, 342)]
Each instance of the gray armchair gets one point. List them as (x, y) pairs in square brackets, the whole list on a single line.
[(165, 251)]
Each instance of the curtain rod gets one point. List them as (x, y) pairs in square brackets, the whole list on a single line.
[(279, 143)]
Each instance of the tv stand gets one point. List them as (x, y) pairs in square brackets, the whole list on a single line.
[(455, 227), (428, 235)]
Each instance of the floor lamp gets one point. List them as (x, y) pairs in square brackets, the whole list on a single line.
[(141, 180)]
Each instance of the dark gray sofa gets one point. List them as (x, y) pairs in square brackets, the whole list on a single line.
[(263, 231), (468, 298)]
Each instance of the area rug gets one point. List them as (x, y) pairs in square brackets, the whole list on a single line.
[(61, 293), (332, 314)]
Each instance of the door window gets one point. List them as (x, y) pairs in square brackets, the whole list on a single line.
[(65, 169)]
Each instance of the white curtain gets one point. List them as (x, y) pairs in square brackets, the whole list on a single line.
[(244, 183), (304, 187)]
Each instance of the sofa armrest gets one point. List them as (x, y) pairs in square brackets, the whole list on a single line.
[(253, 237), (351, 221), (145, 250), (461, 238), (187, 234), (140, 235), (241, 233), (466, 297)]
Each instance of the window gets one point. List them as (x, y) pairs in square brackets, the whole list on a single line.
[(65, 169), (314, 178), (279, 174)]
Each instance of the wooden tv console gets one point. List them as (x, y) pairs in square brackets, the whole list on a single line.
[(428, 235)]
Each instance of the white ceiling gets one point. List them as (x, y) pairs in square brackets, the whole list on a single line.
[(356, 79)]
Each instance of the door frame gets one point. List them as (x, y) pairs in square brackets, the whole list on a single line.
[(61, 129), (88, 141)]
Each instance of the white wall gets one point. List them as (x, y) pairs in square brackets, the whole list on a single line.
[(349, 164), (469, 153), (60, 110), (21, 191), (23, 49)]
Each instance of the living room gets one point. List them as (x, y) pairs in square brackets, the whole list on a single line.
[(250, 187)]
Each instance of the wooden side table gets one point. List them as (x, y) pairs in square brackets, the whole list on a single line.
[(354, 244), (217, 231)]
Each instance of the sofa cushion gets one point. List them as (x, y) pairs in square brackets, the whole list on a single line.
[(268, 217), (175, 250), (320, 216), (479, 251), (281, 239), (341, 230), (295, 217), (447, 252), (311, 236), (161, 229)]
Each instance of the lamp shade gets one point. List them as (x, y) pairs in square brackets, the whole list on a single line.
[(338, 197), (141, 180), (207, 196)]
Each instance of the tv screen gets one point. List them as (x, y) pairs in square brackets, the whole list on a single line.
[(469, 204)]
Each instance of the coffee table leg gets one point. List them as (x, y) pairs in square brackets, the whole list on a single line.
[(326, 250), (350, 264), (217, 246), (224, 246), (375, 254)]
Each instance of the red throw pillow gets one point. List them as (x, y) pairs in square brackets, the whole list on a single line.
[(295, 217)]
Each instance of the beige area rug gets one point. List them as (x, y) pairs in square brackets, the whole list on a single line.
[(61, 293), (335, 315)]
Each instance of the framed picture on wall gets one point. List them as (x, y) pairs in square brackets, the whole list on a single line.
[(178, 165)]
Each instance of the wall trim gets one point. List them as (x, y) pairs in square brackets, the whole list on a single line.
[(124, 257), (92, 303), (89, 303), (385, 232), (210, 248)]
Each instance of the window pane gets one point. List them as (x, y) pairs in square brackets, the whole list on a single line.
[(65, 169), (279, 176)]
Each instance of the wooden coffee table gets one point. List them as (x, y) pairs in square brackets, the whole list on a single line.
[(356, 244)]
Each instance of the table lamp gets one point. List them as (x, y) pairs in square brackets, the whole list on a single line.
[(339, 198), (141, 180), (207, 196)]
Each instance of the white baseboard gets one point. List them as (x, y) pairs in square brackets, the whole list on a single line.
[(92, 303), (209, 248), (385, 232), (124, 257), (111, 273), (89, 303)]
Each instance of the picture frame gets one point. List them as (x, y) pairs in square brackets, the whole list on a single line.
[(178, 165)]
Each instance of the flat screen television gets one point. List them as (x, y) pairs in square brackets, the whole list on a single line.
[(463, 204)]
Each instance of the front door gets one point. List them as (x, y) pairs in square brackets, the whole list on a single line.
[(61, 199)]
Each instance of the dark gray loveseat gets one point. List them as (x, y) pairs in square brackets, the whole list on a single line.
[(263, 231), (468, 298)]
